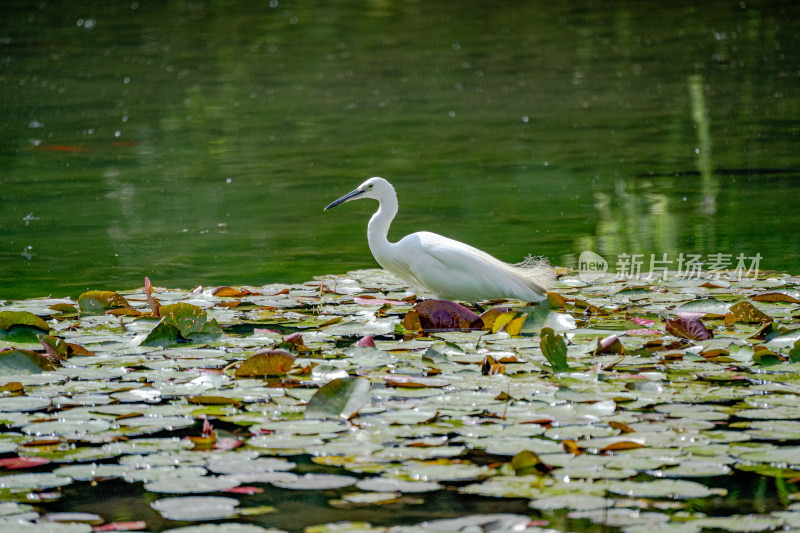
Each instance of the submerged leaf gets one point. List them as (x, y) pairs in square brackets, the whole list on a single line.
[(340, 398)]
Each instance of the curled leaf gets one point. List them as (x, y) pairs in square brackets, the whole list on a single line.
[(152, 301), (22, 318), (366, 341), (554, 349), (688, 328), (610, 344)]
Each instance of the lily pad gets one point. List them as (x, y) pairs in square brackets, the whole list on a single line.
[(23, 362), (196, 508), (340, 398), (97, 302)]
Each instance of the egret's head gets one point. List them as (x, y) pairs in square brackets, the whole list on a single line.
[(375, 188)]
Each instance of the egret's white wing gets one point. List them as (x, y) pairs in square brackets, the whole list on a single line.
[(456, 271)]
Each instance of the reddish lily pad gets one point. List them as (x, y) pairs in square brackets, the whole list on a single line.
[(688, 328), (444, 314)]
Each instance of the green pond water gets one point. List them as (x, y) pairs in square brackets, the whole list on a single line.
[(197, 142)]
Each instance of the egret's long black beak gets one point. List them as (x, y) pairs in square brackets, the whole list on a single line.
[(347, 197)]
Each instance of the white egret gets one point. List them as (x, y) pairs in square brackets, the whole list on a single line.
[(444, 268)]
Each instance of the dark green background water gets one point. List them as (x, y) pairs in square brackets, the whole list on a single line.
[(197, 142)]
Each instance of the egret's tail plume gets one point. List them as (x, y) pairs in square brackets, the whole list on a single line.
[(538, 271)]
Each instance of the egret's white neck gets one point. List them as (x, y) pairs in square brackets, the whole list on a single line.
[(378, 229)]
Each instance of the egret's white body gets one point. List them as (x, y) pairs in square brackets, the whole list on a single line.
[(441, 267)]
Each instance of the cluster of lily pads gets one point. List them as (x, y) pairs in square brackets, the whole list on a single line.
[(610, 402)]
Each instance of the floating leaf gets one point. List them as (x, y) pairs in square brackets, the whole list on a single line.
[(214, 400), (444, 314), (135, 525), (180, 322), (397, 380), (708, 306), (340, 398), (230, 292), (18, 463), (317, 482), (622, 445), (23, 362), (794, 353), (266, 363), (662, 488), (555, 300), (64, 310), (387, 484), (746, 312), (196, 508), (97, 302), (22, 318), (189, 319), (792, 297), (765, 357), (192, 484), (527, 463)]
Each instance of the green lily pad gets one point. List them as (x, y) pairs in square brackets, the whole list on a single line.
[(340, 398), (196, 508), (662, 488), (98, 302), (192, 485), (23, 362)]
